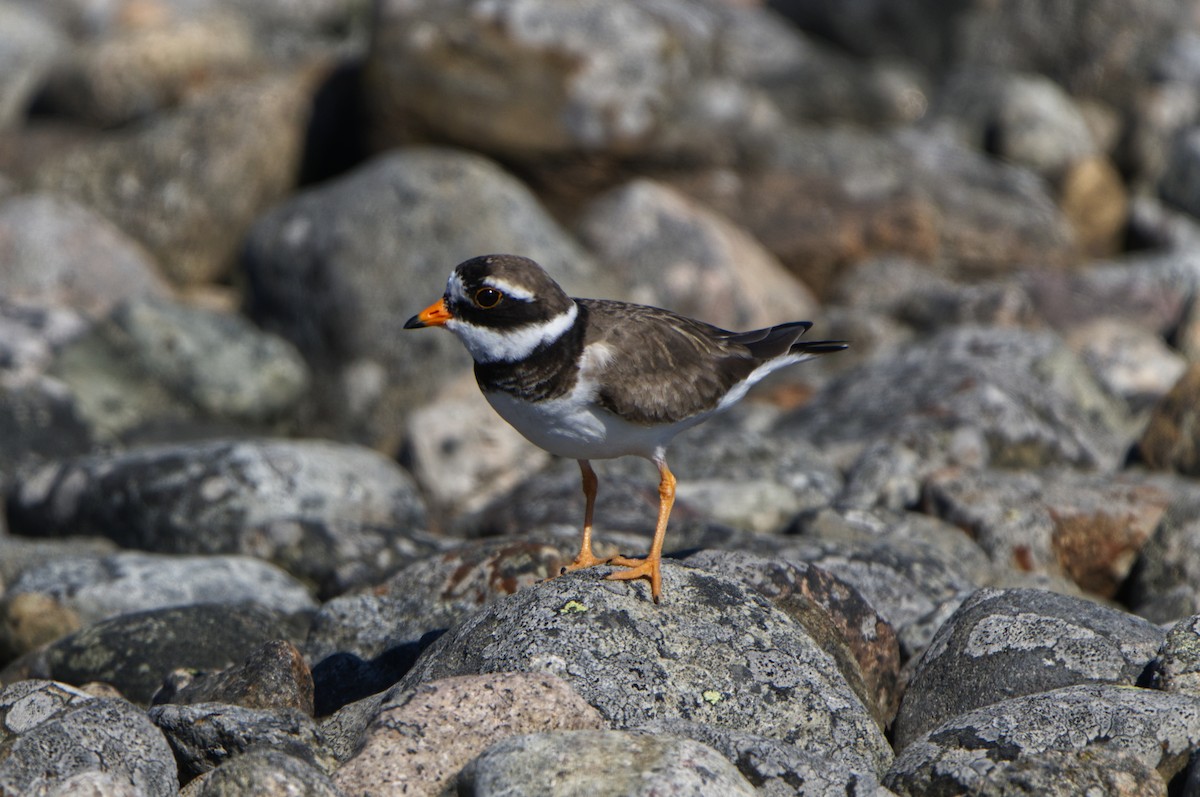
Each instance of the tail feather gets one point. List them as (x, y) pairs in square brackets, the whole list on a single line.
[(818, 347), (776, 341)]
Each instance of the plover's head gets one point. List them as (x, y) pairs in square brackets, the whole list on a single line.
[(502, 307)]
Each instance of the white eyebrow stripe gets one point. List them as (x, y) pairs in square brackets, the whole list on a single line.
[(508, 289)]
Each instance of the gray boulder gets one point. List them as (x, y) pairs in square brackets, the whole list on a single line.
[(1005, 643), (963, 755), (713, 651), (334, 514)]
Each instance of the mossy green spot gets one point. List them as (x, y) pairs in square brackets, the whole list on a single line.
[(712, 696), (572, 607)]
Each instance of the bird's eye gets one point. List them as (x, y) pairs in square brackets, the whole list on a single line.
[(487, 298)]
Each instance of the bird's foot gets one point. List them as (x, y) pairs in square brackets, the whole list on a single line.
[(647, 568), (585, 559)]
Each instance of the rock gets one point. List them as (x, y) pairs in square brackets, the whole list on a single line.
[(1089, 528), (221, 362), (1073, 45), (1163, 586), (645, 80), (275, 676), (813, 82), (800, 590), (432, 593), (636, 661), (18, 554), (1129, 362), (657, 765), (98, 587), (33, 332), (55, 252), (917, 296), (333, 514), (155, 365), (190, 183), (29, 50), (363, 643), (134, 652), (1178, 666), (977, 396), (263, 771), (1150, 292), (1171, 440), (914, 583), (1157, 728), (380, 243), (30, 620), (107, 744), (670, 252), (140, 69), (775, 768), (205, 735), (1021, 118), (1056, 773), (25, 705), (39, 422), (423, 735), (1006, 643), (821, 200), (461, 453), (1180, 182), (1096, 202)]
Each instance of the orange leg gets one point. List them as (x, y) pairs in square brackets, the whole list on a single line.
[(649, 568), (590, 484)]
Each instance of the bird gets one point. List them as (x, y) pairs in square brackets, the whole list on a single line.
[(594, 379)]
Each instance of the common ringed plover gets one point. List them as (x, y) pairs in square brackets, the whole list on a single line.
[(597, 379)]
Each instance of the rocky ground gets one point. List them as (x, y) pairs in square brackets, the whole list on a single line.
[(259, 540)]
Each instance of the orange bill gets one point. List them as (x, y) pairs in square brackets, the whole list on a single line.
[(434, 315)]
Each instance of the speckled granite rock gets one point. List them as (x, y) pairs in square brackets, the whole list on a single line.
[(1172, 438), (62, 253), (1178, 666), (363, 642), (827, 607), (775, 768), (423, 735), (134, 652), (153, 362), (658, 764), (965, 753), (974, 396), (263, 771), (1089, 528), (1005, 643), (335, 514), (105, 744), (205, 735), (98, 587), (669, 251), (189, 183), (712, 651), (275, 676)]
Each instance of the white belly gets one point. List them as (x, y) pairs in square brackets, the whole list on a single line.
[(568, 427)]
